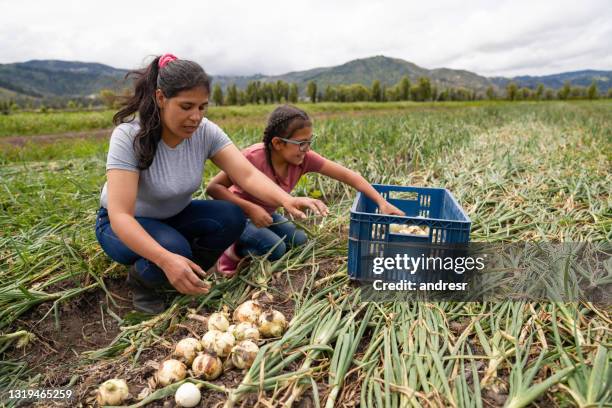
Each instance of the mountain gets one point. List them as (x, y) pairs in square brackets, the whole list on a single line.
[(53, 78), (45, 78), (364, 71), (576, 78)]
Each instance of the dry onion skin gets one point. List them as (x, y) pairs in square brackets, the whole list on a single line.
[(207, 366), (170, 371), (244, 353), (112, 392), (249, 311), (219, 343), (272, 324), (218, 321), (187, 349), (246, 331)]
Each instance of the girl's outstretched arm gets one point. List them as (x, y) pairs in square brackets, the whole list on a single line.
[(238, 168), (356, 180)]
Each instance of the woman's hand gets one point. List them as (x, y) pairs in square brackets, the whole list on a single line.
[(293, 205), (389, 209), (181, 273), (260, 217)]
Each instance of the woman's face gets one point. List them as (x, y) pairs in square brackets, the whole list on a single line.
[(182, 114), (291, 152)]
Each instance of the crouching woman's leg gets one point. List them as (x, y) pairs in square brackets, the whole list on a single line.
[(145, 278)]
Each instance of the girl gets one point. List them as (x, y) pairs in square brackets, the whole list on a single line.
[(283, 156), (147, 218)]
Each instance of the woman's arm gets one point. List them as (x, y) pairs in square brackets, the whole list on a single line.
[(356, 180), (218, 188), (235, 165), (122, 188)]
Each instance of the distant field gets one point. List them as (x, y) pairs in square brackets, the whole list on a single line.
[(32, 123)]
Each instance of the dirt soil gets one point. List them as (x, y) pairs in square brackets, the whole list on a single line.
[(85, 325)]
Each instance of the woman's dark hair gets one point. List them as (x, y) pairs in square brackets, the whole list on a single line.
[(174, 77), (283, 121)]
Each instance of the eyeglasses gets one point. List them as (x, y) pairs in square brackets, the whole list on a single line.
[(304, 145)]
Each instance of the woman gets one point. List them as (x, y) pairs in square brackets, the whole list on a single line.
[(155, 163)]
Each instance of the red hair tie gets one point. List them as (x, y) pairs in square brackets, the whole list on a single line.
[(165, 59)]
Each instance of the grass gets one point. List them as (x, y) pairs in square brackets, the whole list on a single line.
[(522, 171)]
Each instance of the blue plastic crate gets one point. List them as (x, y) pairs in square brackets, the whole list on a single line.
[(434, 210)]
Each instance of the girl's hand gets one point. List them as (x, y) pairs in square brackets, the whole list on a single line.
[(294, 204), (389, 209), (181, 273), (259, 216)]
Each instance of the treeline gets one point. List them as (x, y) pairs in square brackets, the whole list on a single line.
[(260, 92), (423, 90)]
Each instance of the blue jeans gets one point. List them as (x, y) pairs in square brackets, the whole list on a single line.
[(213, 224), (259, 241)]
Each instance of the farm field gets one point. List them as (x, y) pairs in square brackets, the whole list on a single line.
[(523, 172)]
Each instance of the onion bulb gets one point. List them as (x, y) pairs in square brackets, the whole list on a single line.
[(249, 311), (244, 353), (246, 331), (207, 366), (272, 323), (170, 371), (187, 349), (187, 395), (218, 321), (217, 342), (112, 392)]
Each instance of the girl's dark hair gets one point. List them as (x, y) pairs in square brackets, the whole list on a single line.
[(283, 121), (174, 77)]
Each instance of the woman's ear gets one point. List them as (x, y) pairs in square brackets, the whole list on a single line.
[(160, 99)]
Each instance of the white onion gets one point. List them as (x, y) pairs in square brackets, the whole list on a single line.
[(244, 353), (249, 311), (187, 395), (218, 321), (112, 392), (246, 331), (170, 371), (272, 323), (217, 342), (187, 349), (207, 366)]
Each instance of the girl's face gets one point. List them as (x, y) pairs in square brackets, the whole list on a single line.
[(291, 152), (182, 114)]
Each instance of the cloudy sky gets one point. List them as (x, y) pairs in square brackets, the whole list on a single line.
[(495, 37)]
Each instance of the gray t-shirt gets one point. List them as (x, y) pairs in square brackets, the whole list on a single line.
[(165, 188)]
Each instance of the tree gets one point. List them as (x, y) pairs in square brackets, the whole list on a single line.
[(376, 91), (565, 91), (539, 92), (293, 93), (217, 95), (404, 89), (108, 98), (311, 91), (511, 91), (549, 94), (425, 88), (610, 93), (232, 95), (491, 93), (330, 93), (592, 91)]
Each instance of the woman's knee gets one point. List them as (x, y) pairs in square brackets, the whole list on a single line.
[(299, 238), (174, 242), (276, 251), (234, 219)]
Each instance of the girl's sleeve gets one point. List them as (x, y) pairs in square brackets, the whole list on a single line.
[(313, 162)]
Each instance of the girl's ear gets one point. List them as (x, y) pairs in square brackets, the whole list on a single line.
[(277, 144), (160, 98)]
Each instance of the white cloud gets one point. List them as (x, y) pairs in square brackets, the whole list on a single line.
[(233, 37)]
